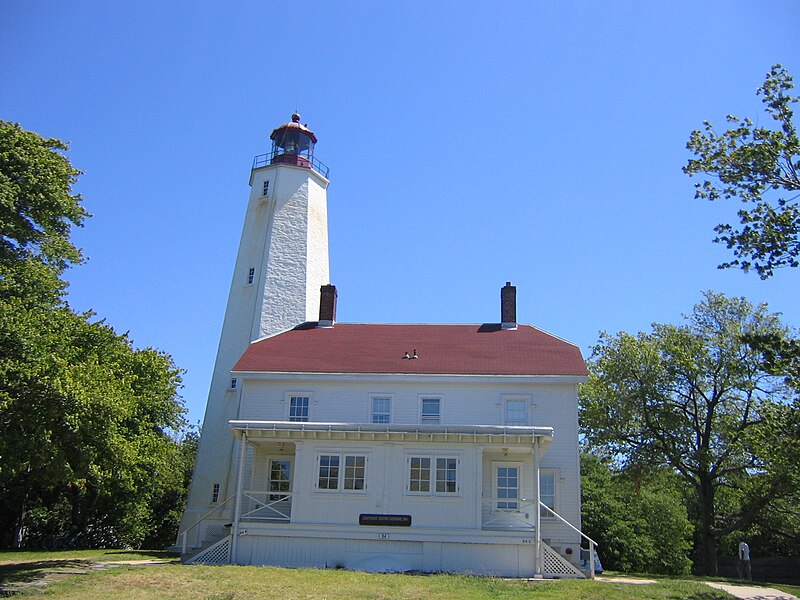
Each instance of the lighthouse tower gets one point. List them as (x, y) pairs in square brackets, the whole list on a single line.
[(281, 264)]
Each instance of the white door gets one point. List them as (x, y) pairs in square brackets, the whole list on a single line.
[(506, 486), (279, 484)]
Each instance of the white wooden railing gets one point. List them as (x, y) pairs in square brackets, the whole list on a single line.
[(592, 543), (185, 534), (267, 506), (507, 518)]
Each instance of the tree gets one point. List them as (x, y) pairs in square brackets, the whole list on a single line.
[(759, 166), (37, 213), (637, 517), (695, 398), (89, 425)]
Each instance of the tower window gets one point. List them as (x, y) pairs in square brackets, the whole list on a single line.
[(234, 383), (251, 275), (215, 493), (265, 191)]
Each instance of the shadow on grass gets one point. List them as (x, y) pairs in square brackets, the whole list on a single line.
[(24, 572)]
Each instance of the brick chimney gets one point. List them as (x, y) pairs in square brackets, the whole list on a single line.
[(327, 305), (508, 306)]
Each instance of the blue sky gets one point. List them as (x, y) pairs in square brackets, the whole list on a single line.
[(470, 143)]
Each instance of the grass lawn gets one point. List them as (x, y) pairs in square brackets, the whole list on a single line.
[(69, 576)]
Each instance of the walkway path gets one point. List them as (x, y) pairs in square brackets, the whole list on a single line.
[(749, 592)]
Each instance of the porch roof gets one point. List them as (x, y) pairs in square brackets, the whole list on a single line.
[(484, 434)]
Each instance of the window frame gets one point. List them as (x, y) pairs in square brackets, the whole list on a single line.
[(215, 488), (251, 276), (433, 474), (550, 473), (427, 397), (527, 407), (342, 472), (265, 188), (497, 499), (290, 396), (373, 413)]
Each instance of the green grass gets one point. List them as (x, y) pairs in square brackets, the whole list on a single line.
[(245, 583), (69, 575)]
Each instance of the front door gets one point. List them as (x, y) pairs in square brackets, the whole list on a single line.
[(507, 485), (279, 485)]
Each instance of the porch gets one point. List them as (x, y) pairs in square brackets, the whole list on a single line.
[(454, 485)]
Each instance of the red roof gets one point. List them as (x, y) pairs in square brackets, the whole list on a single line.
[(442, 349)]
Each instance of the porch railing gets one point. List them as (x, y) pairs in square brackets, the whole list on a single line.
[(509, 517), (185, 534), (267, 506), (592, 543)]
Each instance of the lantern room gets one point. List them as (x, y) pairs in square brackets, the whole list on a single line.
[(293, 144)]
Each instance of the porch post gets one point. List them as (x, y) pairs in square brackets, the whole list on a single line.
[(237, 513), (537, 508)]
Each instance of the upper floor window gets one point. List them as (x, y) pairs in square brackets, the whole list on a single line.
[(251, 275), (431, 410), (381, 409), (516, 411), (265, 189), (234, 383), (215, 493), (345, 472), (298, 408)]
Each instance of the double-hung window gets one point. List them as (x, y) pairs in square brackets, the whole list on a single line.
[(251, 275), (342, 472), (431, 410), (381, 409), (547, 491), (516, 411), (298, 408), (265, 188), (436, 475)]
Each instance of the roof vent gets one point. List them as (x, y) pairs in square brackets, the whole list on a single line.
[(327, 305), (508, 306)]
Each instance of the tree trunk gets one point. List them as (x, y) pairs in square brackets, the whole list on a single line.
[(19, 530), (708, 538)]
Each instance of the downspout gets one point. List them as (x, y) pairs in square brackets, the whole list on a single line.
[(238, 510), (537, 509)]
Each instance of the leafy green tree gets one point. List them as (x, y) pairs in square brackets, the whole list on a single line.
[(695, 398), (37, 213), (89, 425), (761, 167), (638, 518)]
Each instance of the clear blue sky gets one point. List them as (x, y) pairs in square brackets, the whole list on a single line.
[(470, 143)]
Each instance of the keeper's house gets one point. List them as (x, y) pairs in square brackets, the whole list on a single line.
[(371, 446)]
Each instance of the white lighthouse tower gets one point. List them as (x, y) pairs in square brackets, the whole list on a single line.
[(281, 264)]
